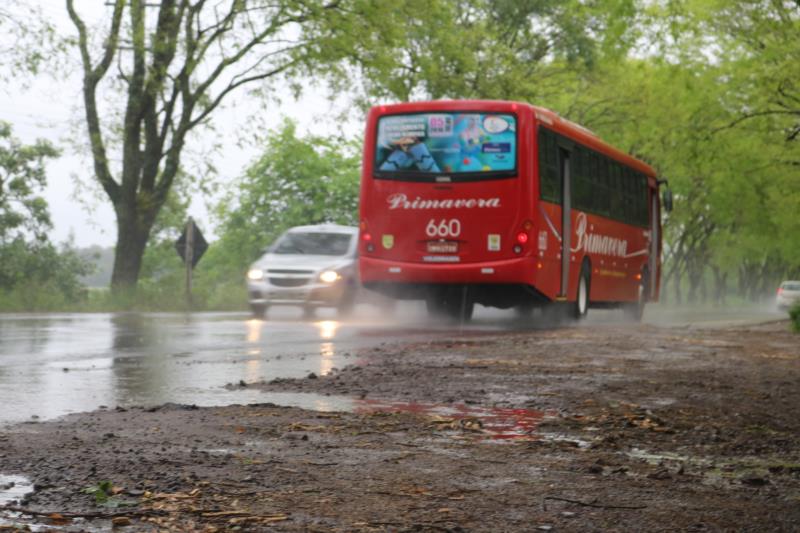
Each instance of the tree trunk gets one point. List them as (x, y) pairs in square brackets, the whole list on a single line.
[(720, 285), (133, 232), (694, 272)]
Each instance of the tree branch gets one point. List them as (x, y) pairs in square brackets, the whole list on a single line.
[(748, 116), (164, 48), (92, 77)]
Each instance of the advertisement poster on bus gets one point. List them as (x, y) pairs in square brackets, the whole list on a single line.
[(448, 143)]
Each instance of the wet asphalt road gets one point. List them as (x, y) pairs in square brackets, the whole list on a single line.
[(54, 364)]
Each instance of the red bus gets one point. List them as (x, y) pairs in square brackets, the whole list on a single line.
[(468, 201)]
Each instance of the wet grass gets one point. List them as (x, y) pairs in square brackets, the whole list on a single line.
[(794, 316), (231, 296)]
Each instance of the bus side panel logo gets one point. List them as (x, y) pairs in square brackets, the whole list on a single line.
[(387, 241), (596, 243), (400, 201)]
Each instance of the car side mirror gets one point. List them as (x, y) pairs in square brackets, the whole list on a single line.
[(666, 199)]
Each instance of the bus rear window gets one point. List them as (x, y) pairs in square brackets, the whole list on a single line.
[(462, 146)]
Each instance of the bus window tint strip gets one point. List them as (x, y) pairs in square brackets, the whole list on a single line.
[(600, 185)]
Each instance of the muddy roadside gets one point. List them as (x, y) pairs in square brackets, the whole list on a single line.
[(614, 427)]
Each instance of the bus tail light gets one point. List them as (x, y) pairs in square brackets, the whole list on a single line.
[(366, 236), (522, 235), (780, 291)]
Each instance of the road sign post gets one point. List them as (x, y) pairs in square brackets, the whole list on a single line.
[(187, 258), (190, 247)]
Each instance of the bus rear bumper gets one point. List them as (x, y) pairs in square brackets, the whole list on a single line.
[(497, 283), (517, 270)]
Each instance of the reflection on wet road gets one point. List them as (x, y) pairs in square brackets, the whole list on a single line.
[(55, 364)]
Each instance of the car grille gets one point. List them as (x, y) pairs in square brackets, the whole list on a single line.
[(288, 282), (280, 277)]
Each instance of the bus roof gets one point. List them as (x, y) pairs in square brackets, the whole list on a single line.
[(588, 138), (541, 114)]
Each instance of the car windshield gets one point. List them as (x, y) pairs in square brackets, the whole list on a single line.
[(791, 286), (313, 243)]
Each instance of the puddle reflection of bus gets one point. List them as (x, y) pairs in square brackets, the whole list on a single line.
[(466, 202)]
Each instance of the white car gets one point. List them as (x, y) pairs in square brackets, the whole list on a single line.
[(788, 295), (308, 266)]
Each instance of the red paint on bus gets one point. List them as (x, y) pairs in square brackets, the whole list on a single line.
[(496, 231)]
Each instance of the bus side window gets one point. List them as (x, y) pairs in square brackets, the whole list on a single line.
[(599, 185), (581, 187), (644, 207), (605, 179), (617, 195), (627, 196), (549, 179)]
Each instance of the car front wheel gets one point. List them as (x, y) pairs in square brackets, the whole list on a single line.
[(258, 310)]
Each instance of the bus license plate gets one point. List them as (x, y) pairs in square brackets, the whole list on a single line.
[(439, 247)]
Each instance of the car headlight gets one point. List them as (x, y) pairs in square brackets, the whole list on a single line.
[(329, 276), (255, 274)]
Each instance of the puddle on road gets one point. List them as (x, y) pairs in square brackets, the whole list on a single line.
[(496, 423), (13, 488), (493, 422)]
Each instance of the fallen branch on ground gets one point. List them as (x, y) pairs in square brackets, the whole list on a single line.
[(592, 503)]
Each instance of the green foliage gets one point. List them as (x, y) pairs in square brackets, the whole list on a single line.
[(37, 276), (296, 181), (794, 316), (28, 41), (34, 274), (23, 212), (506, 49), (101, 492), (105, 495)]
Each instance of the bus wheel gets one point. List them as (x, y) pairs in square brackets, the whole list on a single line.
[(459, 306), (635, 310), (453, 303), (524, 311), (435, 303), (581, 306)]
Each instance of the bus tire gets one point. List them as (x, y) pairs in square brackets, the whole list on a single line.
[(435, 304), (524, 311), (453, 303), (581, 306), (635, 310), (459, 306)]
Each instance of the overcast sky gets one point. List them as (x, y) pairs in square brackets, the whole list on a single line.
[(53, 110)]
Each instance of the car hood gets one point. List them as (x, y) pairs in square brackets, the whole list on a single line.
[(302, 262)]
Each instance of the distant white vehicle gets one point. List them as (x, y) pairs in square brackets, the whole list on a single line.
[(788, 295), (308, 266)]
